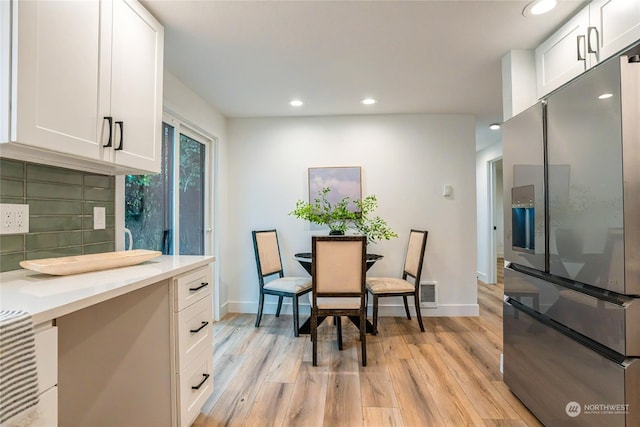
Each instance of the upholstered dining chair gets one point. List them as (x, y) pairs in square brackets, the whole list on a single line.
[(393, 286), (269, 263), (338, 266)]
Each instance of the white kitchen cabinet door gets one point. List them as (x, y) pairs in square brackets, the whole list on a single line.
[(58, 62), (85, 84), (557, 58), (136, 86), (614, 25)]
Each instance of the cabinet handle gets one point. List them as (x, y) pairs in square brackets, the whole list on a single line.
[(121, 146), (202, 285), (110, 120), (204, 380), (580, 44), (590, 48), (202, 326)]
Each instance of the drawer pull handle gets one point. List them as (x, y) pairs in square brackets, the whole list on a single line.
[(204, 380), (202, 326), (202, 285)]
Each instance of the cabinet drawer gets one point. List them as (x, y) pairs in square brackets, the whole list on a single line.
[(46, 341), (47, 409), (191, 287), (194, 332), (195, 386)]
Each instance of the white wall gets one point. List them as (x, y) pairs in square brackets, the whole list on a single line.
[(406, 160), (484, 222)]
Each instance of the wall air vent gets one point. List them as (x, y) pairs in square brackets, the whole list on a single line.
[(428, 294)]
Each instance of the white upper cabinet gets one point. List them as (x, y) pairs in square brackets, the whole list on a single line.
[(136, 86), (83, 74), (614, 25), (599, 31), (562, 56)]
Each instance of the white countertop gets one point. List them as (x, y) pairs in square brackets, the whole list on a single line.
[(47, 297)]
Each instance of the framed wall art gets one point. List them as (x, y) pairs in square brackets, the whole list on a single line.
[(344, 181)]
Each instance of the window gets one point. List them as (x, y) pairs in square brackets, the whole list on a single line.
[(170, 211)]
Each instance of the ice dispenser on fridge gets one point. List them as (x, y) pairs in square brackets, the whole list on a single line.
[(523, 218)]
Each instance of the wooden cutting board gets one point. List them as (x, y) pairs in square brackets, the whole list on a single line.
[(85, 263)]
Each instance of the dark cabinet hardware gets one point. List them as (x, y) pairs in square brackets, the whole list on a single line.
[(110, 121), (202, 285), (590, 47), (204, 380), (120, 124), (581, 48), (202, 326)]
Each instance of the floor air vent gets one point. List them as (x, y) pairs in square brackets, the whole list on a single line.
[(429, 294)]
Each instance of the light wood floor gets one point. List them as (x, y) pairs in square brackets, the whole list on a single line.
[(447, 376)]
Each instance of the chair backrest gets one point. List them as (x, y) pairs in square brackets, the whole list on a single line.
[(267, 251), (338, 265), (415, 255)]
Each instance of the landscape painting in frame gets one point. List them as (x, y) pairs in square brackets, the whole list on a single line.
[(344, 181)]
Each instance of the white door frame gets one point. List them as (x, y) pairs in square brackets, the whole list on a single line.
[(492, 272)]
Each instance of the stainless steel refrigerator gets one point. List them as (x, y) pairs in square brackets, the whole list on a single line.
[(572, 250)]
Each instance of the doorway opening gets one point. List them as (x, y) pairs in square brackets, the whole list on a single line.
[(496, 215)]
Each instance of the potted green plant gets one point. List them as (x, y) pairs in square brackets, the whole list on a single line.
[(339, 218), (322, 212), (374, 227)]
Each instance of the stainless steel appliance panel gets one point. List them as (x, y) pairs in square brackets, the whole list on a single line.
[(585, 184), (630, 78), (611, 320), (523, 165), (547, 370)]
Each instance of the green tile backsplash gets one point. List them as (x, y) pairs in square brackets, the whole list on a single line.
[(61, 205)]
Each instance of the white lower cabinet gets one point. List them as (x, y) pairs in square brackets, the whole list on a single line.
[(195, 385), (192, 317), (47, 409)]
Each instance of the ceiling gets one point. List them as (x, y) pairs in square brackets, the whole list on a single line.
[(250, 58)]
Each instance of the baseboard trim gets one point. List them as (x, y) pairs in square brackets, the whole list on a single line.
[(483, 277), (391, 310), (224, 310)]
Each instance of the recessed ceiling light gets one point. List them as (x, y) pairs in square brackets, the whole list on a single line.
[(539, 7), (368, 101), (605, 96), (296, 103), (494, 126)]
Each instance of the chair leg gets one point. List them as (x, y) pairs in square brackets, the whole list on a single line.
[(406, 307), (314, 337), (363, 337), (339, 329), (375, 314), (260, 305), (418, 313), (296, 321), (280, 298)]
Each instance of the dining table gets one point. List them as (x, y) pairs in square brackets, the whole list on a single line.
[(305, 260)]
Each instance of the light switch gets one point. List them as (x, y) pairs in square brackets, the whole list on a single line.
[(448, 191), (99, 218)]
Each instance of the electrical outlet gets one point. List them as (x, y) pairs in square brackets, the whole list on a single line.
[(15, 218)]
